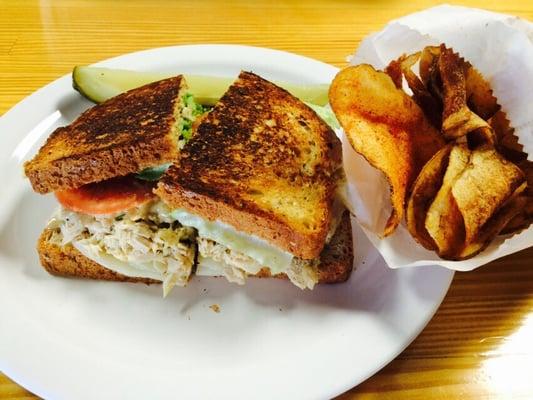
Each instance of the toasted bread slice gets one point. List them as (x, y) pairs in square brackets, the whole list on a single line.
[(263, 162), (127, 133), (336, 260)]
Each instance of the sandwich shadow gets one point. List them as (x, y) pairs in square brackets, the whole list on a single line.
[(18, 237), (72, 105), (368, 290)]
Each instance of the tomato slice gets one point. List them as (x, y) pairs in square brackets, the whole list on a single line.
[(107, 197)]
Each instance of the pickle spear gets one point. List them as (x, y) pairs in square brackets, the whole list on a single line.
[(99, 84)]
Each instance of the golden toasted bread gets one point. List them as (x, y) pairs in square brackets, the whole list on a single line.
[(335, 266), (125, 134), (263, 162)]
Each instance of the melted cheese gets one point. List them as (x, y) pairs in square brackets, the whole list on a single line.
[(252, 246), (209, 267), (131, 269)]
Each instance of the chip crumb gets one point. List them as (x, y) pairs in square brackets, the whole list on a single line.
[(215, 308)]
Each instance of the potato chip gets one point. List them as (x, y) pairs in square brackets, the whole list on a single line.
[(507, 142), (394, 70), (424, 190), (406, 63), (483, 188), (387, 127), (501, 125), (524, 218), (471, 189), (473, 196), (431, 106), (457, 119), (444, 221), (512, 150), (428, 63), (495, 224), (429, 72), (479, 94)]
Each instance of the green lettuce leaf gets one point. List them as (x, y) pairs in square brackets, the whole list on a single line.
[(152, 173), (326, 113)]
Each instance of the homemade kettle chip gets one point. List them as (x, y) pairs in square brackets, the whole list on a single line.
[(487, 182), (479, 94), (428, 68), (462, 199), (387, 127), (443, 220), (460, 187), (450, 91), (524, 217), (424, 190), (507, 212), (457, 118), (431, 106)]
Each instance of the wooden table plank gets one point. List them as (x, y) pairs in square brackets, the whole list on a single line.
[(479, 343)]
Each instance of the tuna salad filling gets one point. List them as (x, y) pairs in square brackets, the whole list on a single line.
[(144, 242), (236, 266), (155, 242)]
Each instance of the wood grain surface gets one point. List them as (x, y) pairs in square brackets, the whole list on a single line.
[(479, 345)]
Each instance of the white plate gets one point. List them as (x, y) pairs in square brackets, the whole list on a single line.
[(74, 339)]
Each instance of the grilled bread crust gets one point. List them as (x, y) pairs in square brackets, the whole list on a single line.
[(336, 260), (123, 135), (263, 162), (68, 261)]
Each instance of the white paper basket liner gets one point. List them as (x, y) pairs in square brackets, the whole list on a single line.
[(501, 48)]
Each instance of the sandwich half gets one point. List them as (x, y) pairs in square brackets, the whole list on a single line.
[(260, 181), (102, 168)]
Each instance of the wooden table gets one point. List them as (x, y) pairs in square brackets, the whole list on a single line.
[(480, 342)]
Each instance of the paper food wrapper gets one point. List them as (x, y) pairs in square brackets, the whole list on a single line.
[(501, 48)]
